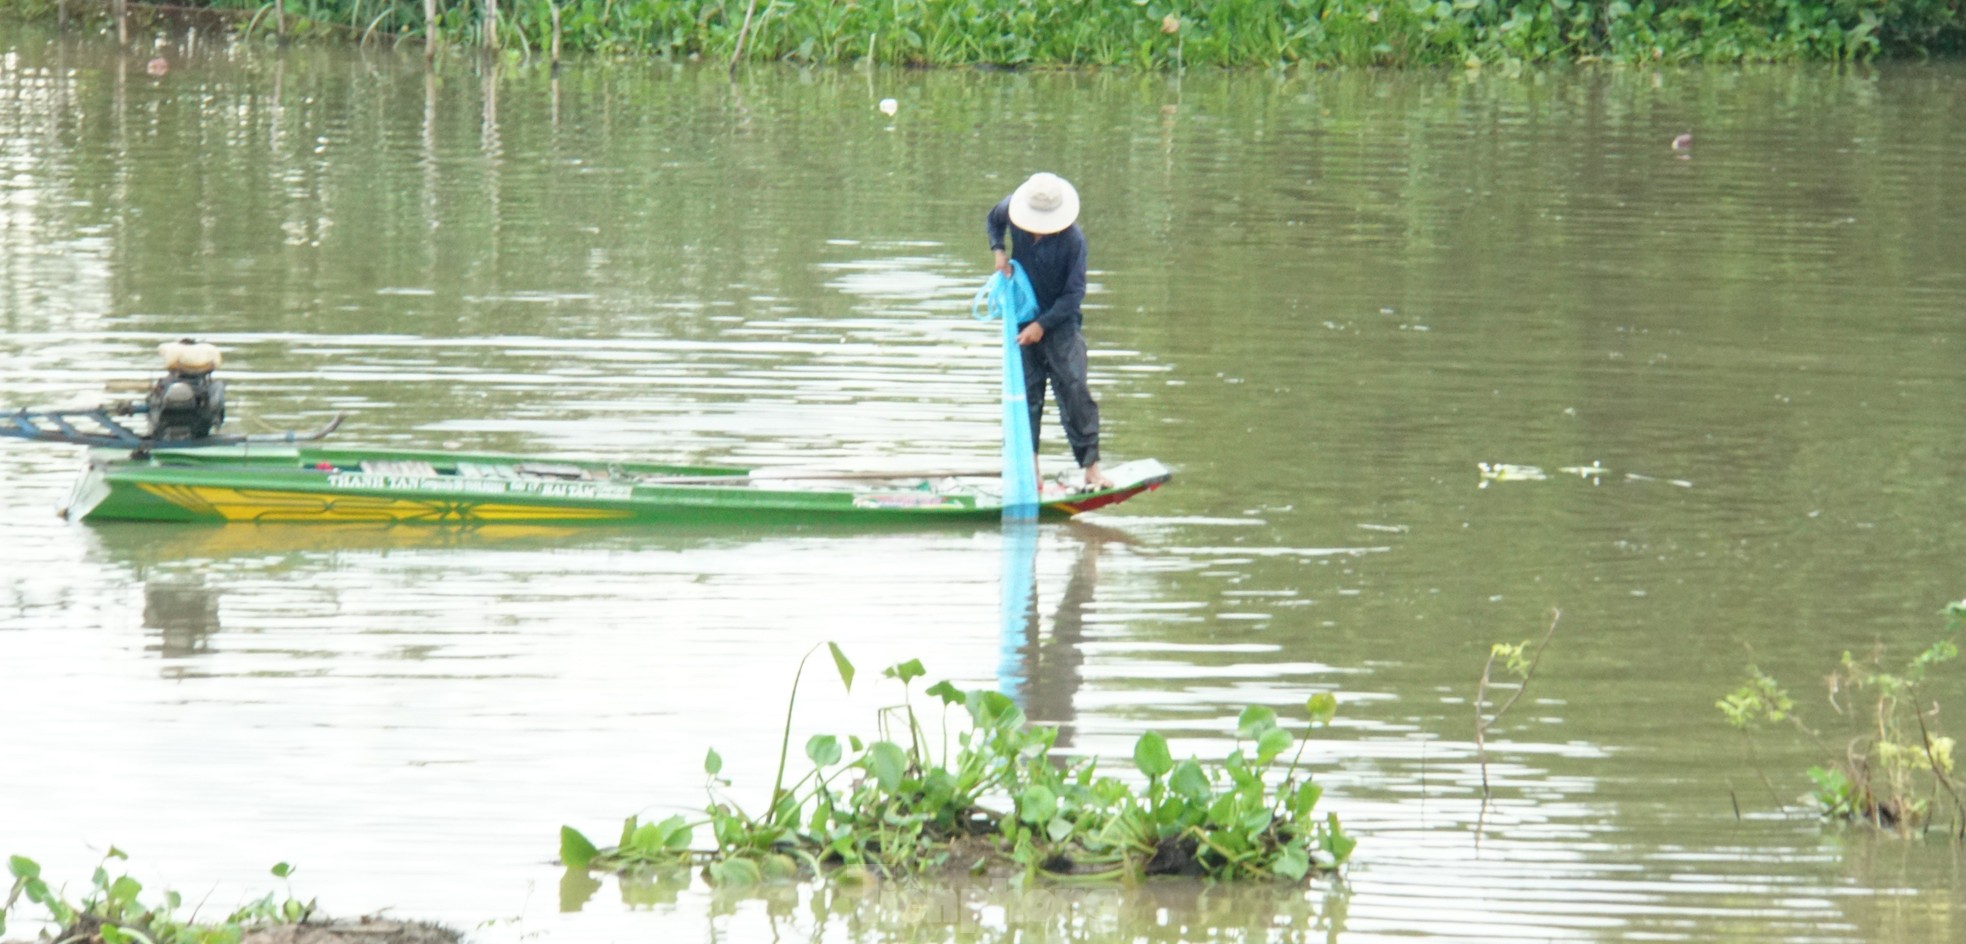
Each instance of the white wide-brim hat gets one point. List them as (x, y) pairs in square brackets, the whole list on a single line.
[(1044, 204)]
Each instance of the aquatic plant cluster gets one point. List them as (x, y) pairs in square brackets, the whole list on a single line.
[(113, 912), (998, 804), (1893, 765), (1153, 34)]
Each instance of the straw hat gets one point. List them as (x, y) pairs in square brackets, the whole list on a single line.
[(1044, 204)]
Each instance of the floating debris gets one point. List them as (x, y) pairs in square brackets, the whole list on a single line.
[(1388, 528), (1595, 472), (1635, 477), (889, 106), (1505, 472)]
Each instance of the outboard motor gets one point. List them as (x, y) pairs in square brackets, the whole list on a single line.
[(187, 402)]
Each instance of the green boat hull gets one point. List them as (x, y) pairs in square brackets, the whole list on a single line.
[(337, 485)]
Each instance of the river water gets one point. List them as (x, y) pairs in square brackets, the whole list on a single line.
[(1323, 299)]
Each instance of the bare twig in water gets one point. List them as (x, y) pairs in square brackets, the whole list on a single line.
[(1483, 721), (1925, 738), (738, 52)]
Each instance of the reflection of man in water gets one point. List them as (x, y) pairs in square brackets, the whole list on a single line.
[(1049, 670), (184, 616)]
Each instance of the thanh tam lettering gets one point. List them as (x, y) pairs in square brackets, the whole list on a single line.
[(459, 486)]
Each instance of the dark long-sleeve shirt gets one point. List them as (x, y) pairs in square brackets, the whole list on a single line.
[(1055, 264)]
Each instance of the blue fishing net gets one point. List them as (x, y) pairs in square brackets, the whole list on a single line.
[(1009, 299)]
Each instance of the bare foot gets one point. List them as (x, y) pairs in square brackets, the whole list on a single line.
[(1094, 479)]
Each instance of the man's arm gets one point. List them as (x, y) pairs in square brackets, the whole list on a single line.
[(997, 225)]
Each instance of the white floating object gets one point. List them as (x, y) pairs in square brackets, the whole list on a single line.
[(889, 106), (1504, 472)]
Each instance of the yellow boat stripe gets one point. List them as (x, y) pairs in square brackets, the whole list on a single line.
[(267, 505)]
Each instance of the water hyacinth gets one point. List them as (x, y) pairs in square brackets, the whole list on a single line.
[(998, 804)]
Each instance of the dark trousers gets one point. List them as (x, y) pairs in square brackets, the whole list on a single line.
[(1060, 358)]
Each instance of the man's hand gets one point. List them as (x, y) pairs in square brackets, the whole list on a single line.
[(1003, 261), (1031, 334)]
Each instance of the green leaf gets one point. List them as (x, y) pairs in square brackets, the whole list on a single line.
[(840, 662), (125, 890), (735, 872), (1151, 756), (991, 709), (23, 867), (1323, 706), (1335, 841), (1238, 767), (1169, 812), (115, 853), (1058, 829), (1255, 720), (1273, 742), (647, 843), (1305, 801), (887, 762), (575, 850), (1188, 781), (949, 693), (1292, 863), (712, 762), (1037, 804), (823, 749), (628, 827), (282, 870), (779, 867), (676, 834), (657, 840), (1222, 812), (905, 671)]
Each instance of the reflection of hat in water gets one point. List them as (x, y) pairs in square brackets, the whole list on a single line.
[(1044, 204)]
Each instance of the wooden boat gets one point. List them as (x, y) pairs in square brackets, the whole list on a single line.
[(183, 468), (274, 483)]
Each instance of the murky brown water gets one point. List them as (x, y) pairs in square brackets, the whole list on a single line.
[(1322, 299)]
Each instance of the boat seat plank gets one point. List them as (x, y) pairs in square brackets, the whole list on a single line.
[(409, 467), (550, 470), (486, 470)]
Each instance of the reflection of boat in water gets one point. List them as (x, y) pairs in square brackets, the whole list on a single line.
[(296, 484), (143, 543)]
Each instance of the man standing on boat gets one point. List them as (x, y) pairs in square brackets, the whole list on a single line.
[(1041, 219)]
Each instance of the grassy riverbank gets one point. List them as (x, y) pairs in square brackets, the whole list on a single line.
[(1143, 34)]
